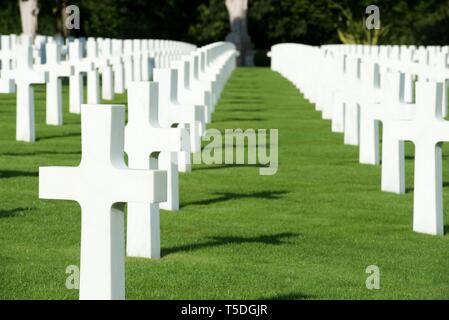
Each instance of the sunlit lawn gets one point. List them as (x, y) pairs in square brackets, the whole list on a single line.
[(308, 232)]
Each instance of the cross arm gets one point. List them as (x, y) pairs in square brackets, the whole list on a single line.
[(34, 76), (59, 183), (441, 131), (185, 114), (156, 140), (6, 86), (141, 186), (84, 66)]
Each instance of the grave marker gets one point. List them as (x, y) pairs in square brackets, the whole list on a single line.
[(76, 82), (56, 70), (144, 140), (427, 130), (101, 184), (25, 76)]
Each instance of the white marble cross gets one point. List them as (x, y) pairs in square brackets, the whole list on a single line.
[(352, 103), (196, 85), (128, 61), (144, 140), (93, 76), (107, 74), (440, 73), (371, 112), (137, 60), (174, 113), (329, 82), (102, 184), (56, 69), (117, 66), (148, 65), (207, 80), (76, 83), (148, 62), (219, 60), (427, 131), (7, 85), (25, 75), (7, 61), (338, 104), (390, 111), (186, 94)]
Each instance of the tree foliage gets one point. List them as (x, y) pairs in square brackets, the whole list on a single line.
[(421, 22)]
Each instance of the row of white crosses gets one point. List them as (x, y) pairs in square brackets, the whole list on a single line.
[(162, 124), (356, 87), (47, 60)]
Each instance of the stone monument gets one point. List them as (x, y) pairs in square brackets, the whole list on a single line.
[(239, 31)]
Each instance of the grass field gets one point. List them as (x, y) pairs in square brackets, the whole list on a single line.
[(308, 232)]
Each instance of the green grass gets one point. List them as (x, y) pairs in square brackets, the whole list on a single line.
[(309, 232)]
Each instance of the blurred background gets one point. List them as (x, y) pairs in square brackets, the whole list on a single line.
[(419, 22)]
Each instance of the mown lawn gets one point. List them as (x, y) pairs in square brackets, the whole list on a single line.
[(308, 232)]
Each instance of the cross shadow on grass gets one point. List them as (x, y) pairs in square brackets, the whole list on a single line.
[(274, 239), (407, 157), (227, 196), (227, 166), (446, 230), (411, 189), (244, 110), (288, 296), (75, 134), (12, 212), (5, 174), (36, 153), (239, 120)]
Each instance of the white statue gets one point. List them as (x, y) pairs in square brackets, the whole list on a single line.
[(29, 10), (239, 30), (237, 15)]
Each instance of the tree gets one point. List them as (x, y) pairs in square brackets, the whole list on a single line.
[(60, 17), (212, 23), (29, 11), (354, 31)]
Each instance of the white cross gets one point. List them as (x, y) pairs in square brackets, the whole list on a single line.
[(219, 64), (329, 82), (25, 76), (137, 60), (76, 83), (439, 73), (427, 131), (338, 104), (352, 100), (207, 80), (392, 110), (101, 184), (197, 85), (128, 61), (117, 66), (7, 63), (107, 75), (187, 95), (144, 140), (371, 111), (174, 113), (56, 70), (6, 86), (148, 64), (93, 76)]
